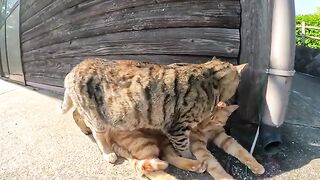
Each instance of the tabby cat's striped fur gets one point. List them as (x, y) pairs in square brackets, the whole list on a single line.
[(129, 95), (213, 129)]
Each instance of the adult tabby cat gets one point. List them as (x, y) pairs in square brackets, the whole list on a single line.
[(129, 95)]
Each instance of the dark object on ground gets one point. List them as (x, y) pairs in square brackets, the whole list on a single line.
[(307, 60)]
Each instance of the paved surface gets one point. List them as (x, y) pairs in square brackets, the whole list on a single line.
[(38, 143)]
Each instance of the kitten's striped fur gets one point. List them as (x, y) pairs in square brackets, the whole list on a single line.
[(143, 148), (129, 95), (212, 129)]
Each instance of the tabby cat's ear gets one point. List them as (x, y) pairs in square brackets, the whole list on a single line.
[(241, 67), (232, 108)]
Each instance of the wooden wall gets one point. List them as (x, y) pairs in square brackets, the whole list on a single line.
[(58, 34)]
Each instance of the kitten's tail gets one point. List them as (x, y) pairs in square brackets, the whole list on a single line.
[(159, 175)]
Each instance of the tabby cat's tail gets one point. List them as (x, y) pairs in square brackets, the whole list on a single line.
[(159, 175), (66, 104)]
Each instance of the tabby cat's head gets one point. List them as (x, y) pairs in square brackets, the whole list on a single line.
[(228, 77), (221, 113)]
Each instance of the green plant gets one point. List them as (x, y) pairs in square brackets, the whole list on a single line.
[(310, 20)]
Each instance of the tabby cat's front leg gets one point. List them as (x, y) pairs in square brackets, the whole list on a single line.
[(232, 147), (169, 155), (181, 143)]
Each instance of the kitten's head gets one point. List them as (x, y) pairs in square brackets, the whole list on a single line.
[(222, 112), (228, 77)]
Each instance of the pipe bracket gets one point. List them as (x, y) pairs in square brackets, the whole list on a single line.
[(279, 72)]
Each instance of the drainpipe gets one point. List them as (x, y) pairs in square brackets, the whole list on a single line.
[(280, 73)]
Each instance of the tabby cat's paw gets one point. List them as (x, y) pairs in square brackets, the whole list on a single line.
[(111, 157)]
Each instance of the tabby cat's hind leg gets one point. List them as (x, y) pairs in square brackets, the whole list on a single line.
[(66, 104), (232, 147), (199, 149), (80, 122), (107, 153), (179, 139)]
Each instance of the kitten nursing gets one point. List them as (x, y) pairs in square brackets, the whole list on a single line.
[(145, 113), (130, 95), (144, 147)]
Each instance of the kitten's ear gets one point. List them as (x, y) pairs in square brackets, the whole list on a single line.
[(232, 108), (221, 104), (241, 67)]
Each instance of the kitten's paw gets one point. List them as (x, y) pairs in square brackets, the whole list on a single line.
[(229, 177), (111, 157), (258, 169), (199, 167)]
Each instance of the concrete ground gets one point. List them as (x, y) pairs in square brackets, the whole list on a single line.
[(39, 143)]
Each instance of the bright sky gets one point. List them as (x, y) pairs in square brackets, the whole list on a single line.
[(306, 6)]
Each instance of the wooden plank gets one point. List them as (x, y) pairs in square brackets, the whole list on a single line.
[(69, 15), (177, 14), (136, 16), (45, 10), (25, 6), (31, 8), (309, 27), (183, 41), (58, 91), (53, 71), (255, 50)]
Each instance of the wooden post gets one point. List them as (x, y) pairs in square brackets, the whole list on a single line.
[(256, 27), (303, 30)]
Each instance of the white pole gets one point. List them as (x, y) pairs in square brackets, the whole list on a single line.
[(303, 30)]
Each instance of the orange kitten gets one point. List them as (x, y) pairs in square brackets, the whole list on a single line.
[(212, 129), (143, 148)]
